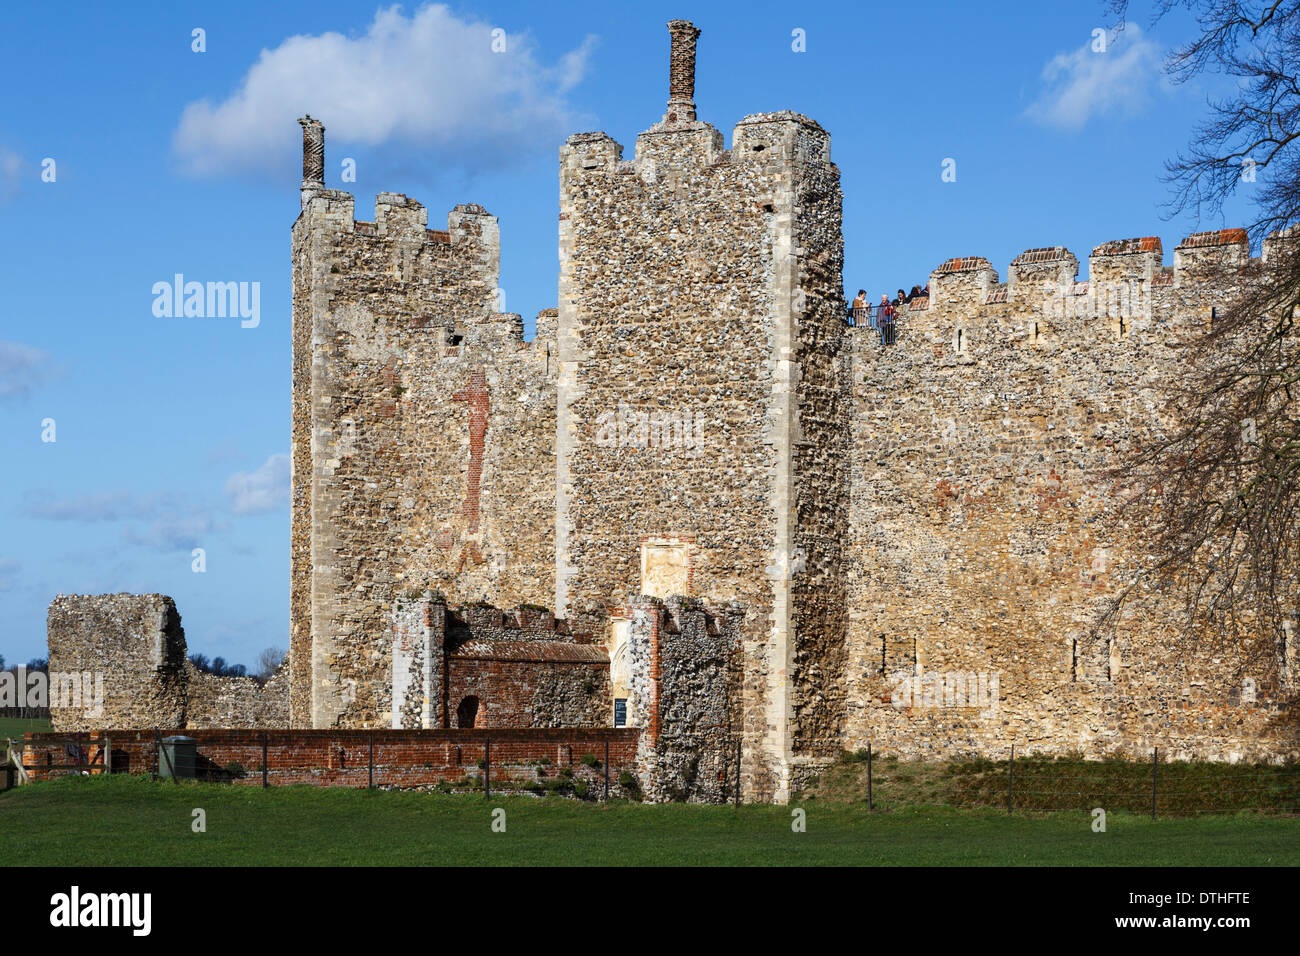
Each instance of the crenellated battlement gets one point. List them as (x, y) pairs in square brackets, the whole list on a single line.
[(398, 218), (1129, 288), (783, 137)]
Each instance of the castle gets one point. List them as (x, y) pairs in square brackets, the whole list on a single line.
[(722, 512)]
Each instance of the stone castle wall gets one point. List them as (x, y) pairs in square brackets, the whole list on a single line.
[(213, 701), (985, 539), (423, 439)]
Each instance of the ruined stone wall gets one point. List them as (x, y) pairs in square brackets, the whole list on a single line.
[(686, 685), (699, 288), (985, 538), (213, 701), (423, 431), (137, 644)]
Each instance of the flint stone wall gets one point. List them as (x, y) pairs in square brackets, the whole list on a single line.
[(137, 642), (705, 281), (685, 679), (986, 536)]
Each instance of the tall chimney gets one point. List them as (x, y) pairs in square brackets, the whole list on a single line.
[(681, 71), (313, 157)]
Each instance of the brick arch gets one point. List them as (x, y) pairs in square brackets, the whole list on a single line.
[(467, 712)]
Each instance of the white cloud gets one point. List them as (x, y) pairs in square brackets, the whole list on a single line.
[(258, 492), (101, 506), (430, 80), (22, 369), (174, 532), (1084, 83), (161, 521), (11, 170)]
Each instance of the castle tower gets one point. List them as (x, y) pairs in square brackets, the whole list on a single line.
[(702, 425), (422, 434)]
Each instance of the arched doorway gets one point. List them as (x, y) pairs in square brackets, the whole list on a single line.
[(467, 712)]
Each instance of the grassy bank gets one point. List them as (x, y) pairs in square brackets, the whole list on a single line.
[(1060, 783)]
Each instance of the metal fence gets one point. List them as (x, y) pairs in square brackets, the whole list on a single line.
[(1044, 784), (883, 321)]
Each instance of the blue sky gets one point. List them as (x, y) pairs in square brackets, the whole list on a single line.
[(170, 433)]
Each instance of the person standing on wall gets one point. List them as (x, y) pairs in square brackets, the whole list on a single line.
[(887, 327)]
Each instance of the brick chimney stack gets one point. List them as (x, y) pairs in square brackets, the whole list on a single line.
[(313, 157), (681, 71)]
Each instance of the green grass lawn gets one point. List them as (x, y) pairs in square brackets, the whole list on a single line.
[(133, 820), (16, 727)]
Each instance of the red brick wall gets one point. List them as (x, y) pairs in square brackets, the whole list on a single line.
[(340, 758), (508, 691)]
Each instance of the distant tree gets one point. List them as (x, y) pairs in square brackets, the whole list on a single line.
[(268, 662), (1224, 478), (217, 666), (222, 669), (38, 664)]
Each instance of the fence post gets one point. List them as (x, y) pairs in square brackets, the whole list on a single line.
[(108, 756), (606, 769), (264, 782), (487, 769), (1011, 776), (157, 752), (1155, 751), (869, 777), (371, 781)]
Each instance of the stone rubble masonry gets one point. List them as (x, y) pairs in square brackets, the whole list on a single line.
[(136, 641), (984, 538), (685, 693), (213, 701)]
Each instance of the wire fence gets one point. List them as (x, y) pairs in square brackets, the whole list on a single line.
[(1055, 784)]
